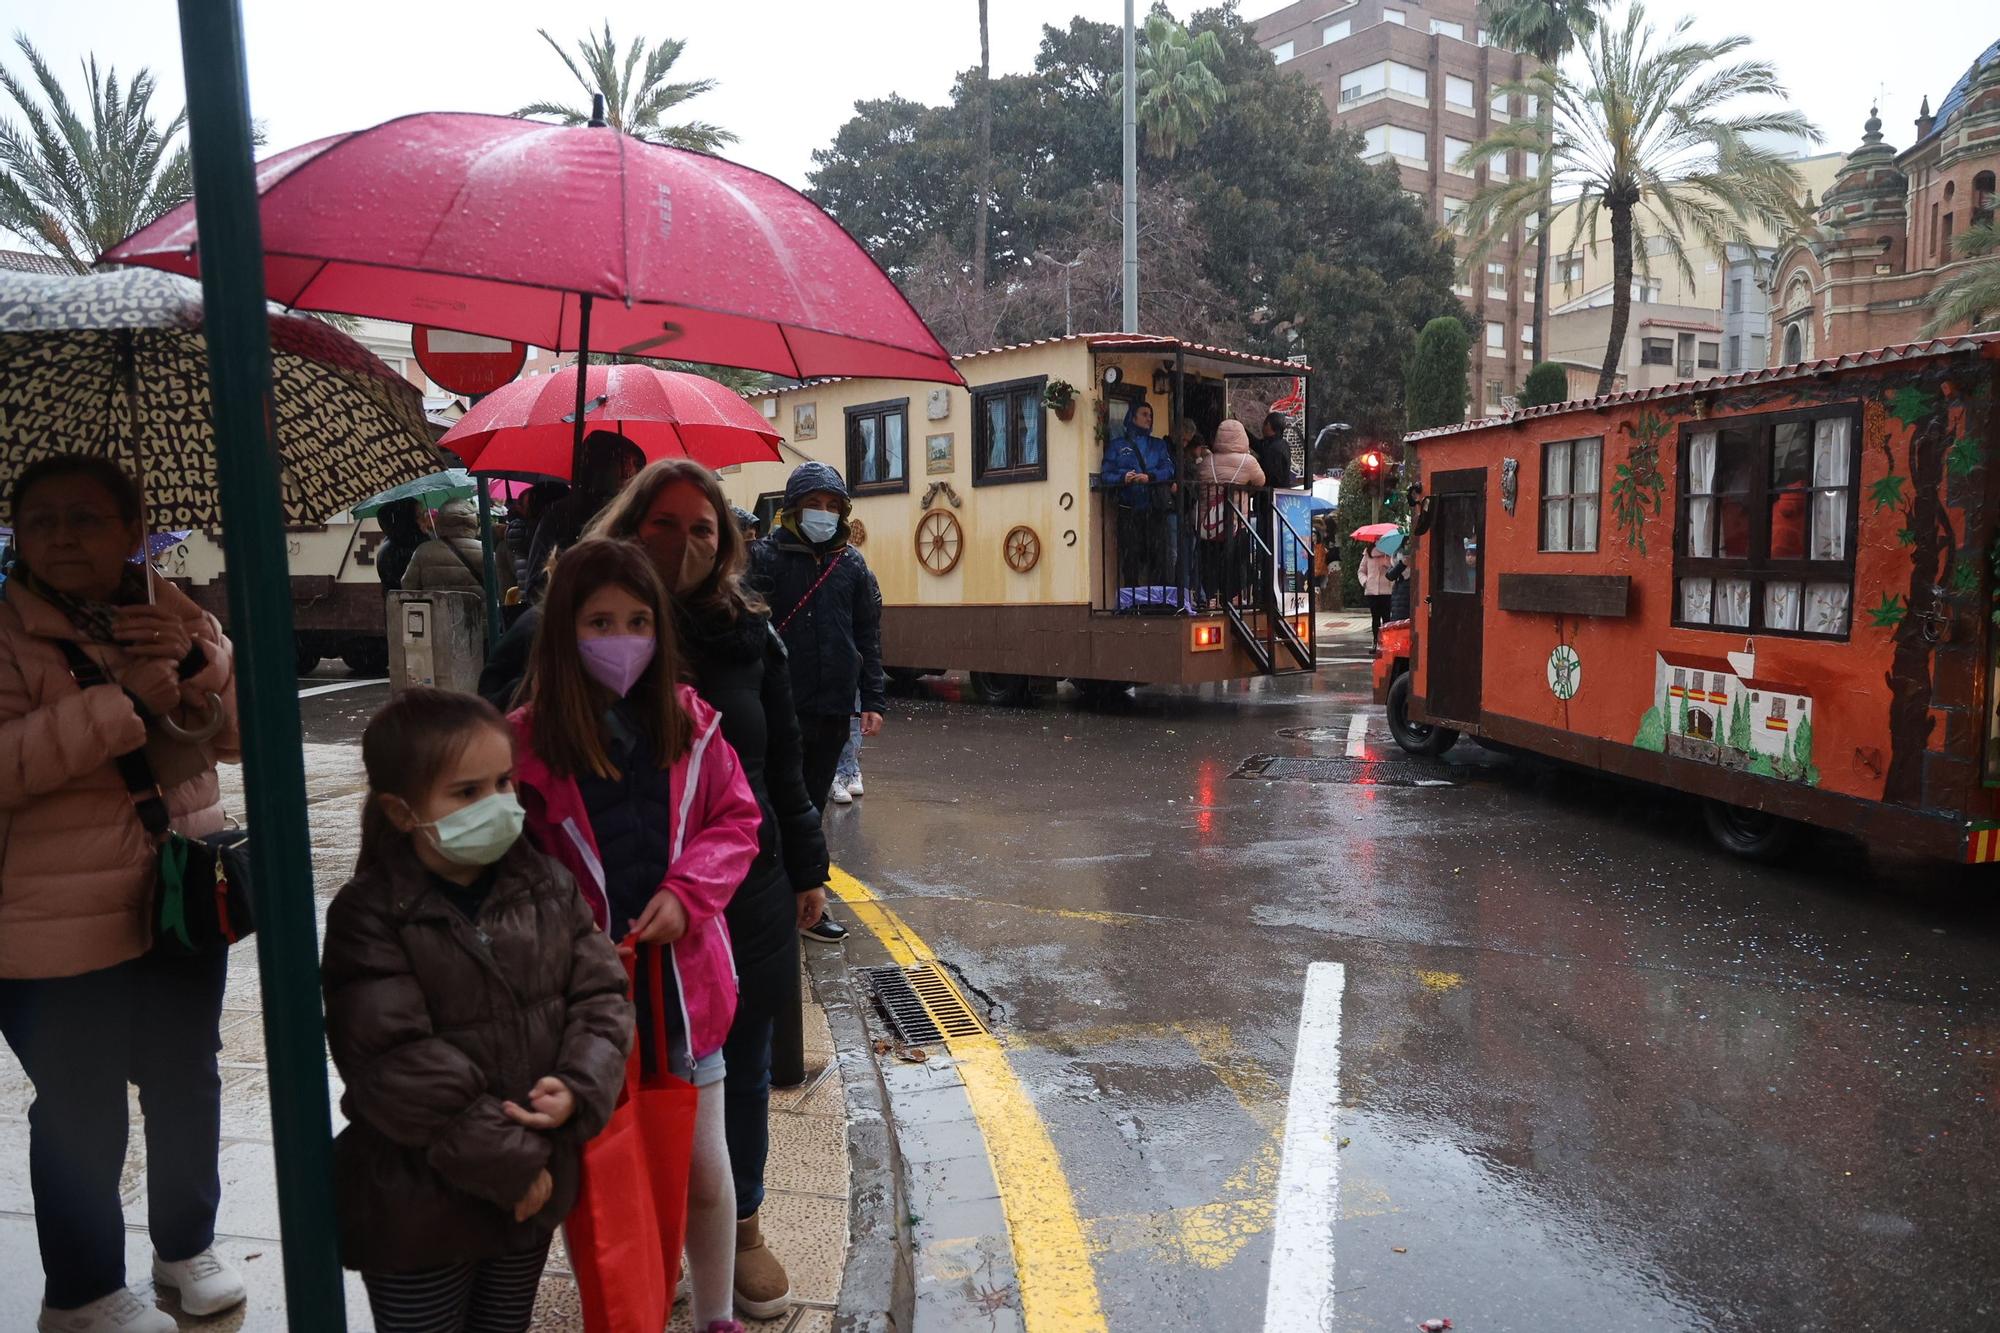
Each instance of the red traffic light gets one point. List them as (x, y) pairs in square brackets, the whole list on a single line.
[(1371, 463)]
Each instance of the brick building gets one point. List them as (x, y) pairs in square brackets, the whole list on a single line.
[(1886, 225), (1417, 79)]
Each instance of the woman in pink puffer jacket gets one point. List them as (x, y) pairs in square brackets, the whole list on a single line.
[(83, 1005)]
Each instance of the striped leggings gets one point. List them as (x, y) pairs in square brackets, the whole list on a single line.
[(493, 1296)]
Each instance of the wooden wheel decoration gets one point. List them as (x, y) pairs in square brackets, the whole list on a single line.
[(940, 541), (1022, 548)]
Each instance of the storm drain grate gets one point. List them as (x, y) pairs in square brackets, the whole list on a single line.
[(922, 1004), (1389, 771)]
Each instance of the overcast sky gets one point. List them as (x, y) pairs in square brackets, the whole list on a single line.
[(789, 71)]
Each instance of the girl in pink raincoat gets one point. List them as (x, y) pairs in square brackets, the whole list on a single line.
[(628, 782)]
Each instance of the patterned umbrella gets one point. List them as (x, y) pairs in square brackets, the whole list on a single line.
[(116, 364)]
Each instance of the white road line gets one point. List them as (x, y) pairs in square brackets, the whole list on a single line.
[(341, 685), (1357, 736), (1300, 1295)]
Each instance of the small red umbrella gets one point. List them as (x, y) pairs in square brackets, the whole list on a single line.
[(526, 427), (518, 229), (1367, 532)]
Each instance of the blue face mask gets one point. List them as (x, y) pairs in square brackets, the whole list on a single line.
[(818, 525)]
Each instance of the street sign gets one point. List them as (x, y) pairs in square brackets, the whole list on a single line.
[(466, 362)]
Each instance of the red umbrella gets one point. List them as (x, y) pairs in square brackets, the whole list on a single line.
[(526, 427), (1367, 532), (513, 229)]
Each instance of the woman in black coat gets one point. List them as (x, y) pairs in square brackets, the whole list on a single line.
[(675, 509)]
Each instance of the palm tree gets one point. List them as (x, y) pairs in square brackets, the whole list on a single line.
[(1179, 87), (74, 186), (1643, 137), (1548, 30), (635, 97), (1972, 295)]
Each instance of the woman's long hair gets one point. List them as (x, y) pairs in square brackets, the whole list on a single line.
[(723, 591), (404, 750), (565, 701)]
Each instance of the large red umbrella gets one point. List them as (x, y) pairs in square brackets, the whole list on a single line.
[(526, 427), (569, 238)]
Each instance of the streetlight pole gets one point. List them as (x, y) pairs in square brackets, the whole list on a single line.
[(1068, 267), (260, 622), (1131, 117)]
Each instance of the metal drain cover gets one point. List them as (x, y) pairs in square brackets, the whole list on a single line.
[(1338, 733), (921, 1004), (1400, 771)]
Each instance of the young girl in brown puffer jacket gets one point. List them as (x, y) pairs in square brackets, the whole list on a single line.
[(478, 1018)]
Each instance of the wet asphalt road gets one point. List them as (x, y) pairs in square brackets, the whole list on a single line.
[(1594, 1074)]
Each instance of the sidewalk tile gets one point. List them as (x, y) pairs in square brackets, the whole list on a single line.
[(808, 1155), (965, 1219), (900, 1078), (936, 1141), (809, 1236), (818, 1033), (820, 1095), (954, 1180), (933, 1106)]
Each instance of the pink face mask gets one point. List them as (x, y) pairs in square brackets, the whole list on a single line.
[(617, 661)]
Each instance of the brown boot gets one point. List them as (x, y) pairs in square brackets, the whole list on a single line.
[(762, 1289)]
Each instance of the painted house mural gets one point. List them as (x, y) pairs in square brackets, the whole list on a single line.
[(1720, 711), (1808, 557)]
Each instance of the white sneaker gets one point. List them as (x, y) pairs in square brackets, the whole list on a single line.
[(120, 1312), (839, 794), (205, 1284), (854, 787)]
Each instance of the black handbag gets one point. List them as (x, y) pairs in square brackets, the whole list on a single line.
[(201, 896)]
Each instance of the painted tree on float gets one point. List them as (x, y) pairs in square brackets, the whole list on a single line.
[(1938, 452), (1739, 725)]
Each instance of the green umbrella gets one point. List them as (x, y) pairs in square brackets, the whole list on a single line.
[(436, 491)]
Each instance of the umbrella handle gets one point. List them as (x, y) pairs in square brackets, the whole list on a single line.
[(197, 734)]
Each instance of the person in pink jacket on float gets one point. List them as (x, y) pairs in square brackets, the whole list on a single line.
[(627, 781)]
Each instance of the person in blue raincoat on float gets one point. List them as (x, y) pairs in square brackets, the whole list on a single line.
[(1138, 464)]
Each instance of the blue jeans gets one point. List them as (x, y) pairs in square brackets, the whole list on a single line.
[(746, 1088), (153, 1021), (851, 757), (849, 767)]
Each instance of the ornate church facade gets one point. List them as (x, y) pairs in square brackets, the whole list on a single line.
[(1883, 241)]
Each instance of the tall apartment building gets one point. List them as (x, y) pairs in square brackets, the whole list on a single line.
[(1417, 80)]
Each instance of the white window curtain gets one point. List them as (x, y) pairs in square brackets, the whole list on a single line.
[(1697, 601), (1831, 457), (1732, 602), (1826, 608), (1781, 605), (1701, 504), (1555, 525), (1584, 481), (1555, 481)]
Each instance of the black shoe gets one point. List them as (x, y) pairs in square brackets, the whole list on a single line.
[(826, 930)]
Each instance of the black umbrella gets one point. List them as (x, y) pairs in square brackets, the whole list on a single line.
[(116, 364)]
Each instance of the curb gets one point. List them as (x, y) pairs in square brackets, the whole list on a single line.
[(878, 1287)]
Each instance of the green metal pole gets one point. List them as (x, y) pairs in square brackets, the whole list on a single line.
[(492, 566), (260, 617)]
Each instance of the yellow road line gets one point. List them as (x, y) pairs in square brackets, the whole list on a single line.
[(1051, 1257)]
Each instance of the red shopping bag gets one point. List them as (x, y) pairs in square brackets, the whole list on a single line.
[(625, 1233)]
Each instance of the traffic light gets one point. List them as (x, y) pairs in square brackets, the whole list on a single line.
[(1370, 464)]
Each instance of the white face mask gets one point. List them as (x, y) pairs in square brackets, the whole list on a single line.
[(818, 525), (479, 834)]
